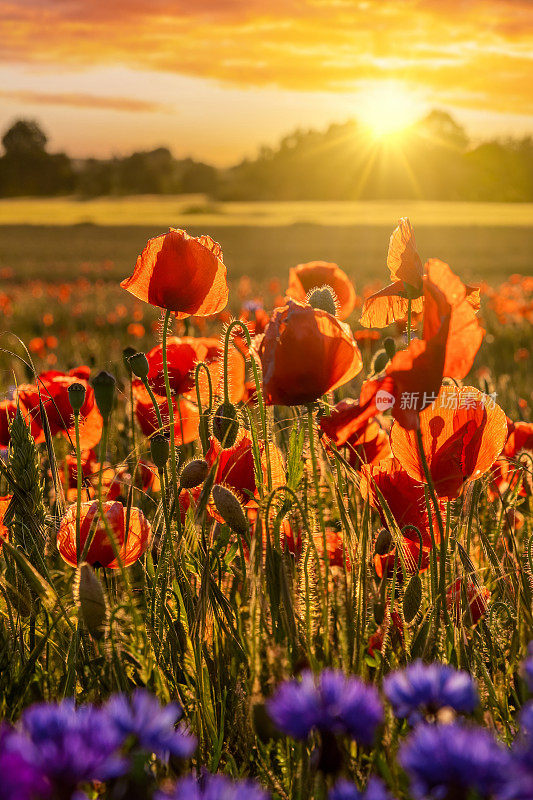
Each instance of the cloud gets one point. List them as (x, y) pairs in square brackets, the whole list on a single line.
[(81, 100), (474, 52)]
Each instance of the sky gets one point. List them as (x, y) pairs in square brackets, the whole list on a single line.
[(216, 79)]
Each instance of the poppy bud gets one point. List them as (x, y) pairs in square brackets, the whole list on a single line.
[(412, 598), (323, 298), (230, 509), (91, 600), (226, 424), (76, 396), (390, 347), (194, 473), (160, 450), (126, 355), (104, 392), (139, 365), (379, 611), (381, 359), (383, 542)]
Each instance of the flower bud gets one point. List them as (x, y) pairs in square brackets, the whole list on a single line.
[(76, 396), (91, 600), (412, 598), (139, 365), (104, 392), (323, 298), (126, 354), (383, 542), (226, 424), (230, 509), (381, 359), (160, 450), (194, 473), (390, 347)]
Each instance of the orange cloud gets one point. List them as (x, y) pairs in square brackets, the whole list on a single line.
[(476, 53), (81, 100)]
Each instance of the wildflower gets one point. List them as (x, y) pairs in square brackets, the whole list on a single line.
[(21, 777), (476, 597), (186, 417), (425, 688), (305, 277), (461, 437), (520, 778), (345, 790), (4, 505), (332, 703), (101, 552), (152, 726), (213, 787), (71, 745), (454, 761), (181, 273), (351, 425), (305, 353)]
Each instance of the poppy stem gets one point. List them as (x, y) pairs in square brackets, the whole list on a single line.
[(409, 313), (173, 464), (78, 486), (204, 425)]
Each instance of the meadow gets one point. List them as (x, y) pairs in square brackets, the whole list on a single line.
[(271, 542)]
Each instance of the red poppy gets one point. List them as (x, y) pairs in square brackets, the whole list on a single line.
[(4, 503), (305, 353), (186, 417), (371, 447), (101, 551), (306, 277), (183, 354), (395, 632), (349, 424), (181, 273), (462, 436), (506, 472), (52, 389), (477, 598), (8, 410)]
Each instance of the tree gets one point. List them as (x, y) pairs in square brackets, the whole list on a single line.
[(24, 137)]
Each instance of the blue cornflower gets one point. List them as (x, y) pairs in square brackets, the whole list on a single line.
[(72, 745), (520, 779), (528, 667), (333, 702), (454, 761), (214, 787), (422, 688), (20, 776), (375, 790), (153, 726)]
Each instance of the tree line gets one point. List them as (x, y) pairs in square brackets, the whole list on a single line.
[(433, 160)]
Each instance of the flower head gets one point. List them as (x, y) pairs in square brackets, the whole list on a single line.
[(333, 702), (427, 687), (214, 787), (306, 277), (345, 790), (153, 726), (22, 779)]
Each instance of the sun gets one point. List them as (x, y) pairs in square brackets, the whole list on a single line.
[(388, 108)]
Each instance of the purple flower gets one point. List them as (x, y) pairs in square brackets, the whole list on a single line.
[(214, 787), (375, 790), (333, 702), (520, 779), (422, 688), (454, 761), (153, 726), (528, 667), (21, 778), (71, 745)]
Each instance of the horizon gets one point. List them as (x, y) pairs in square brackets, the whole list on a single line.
[(218, 81)]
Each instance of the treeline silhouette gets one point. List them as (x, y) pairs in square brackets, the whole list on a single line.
[(432, 160)]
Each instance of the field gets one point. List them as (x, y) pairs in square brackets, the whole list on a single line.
[(336, 594)]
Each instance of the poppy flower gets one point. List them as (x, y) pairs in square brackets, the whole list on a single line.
[(390, 304), (306, 277), (186, 417), (4, 503), (371, 447), (349, 424), (8, 410), (451, 338), (183, 354), (305, 353), (100, 552), (52, 389), (181, 273), (462, 436), (477, 598), (505, 472)]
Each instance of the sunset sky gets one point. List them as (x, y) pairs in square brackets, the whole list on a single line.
[(217, 78)]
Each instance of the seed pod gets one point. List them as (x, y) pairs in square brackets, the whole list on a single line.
[(194, 473), (104, 392), (91, 600), (323, 298), (390, 347), (160, 450), (381, 359), (139, 365), (126, 355), (379, 611), (383, 542), (230, 510), (76, 396), (226, 424), (412, 598)]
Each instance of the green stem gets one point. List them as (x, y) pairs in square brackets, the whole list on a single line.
[(78, 486), (409, 313), (173, 460)]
